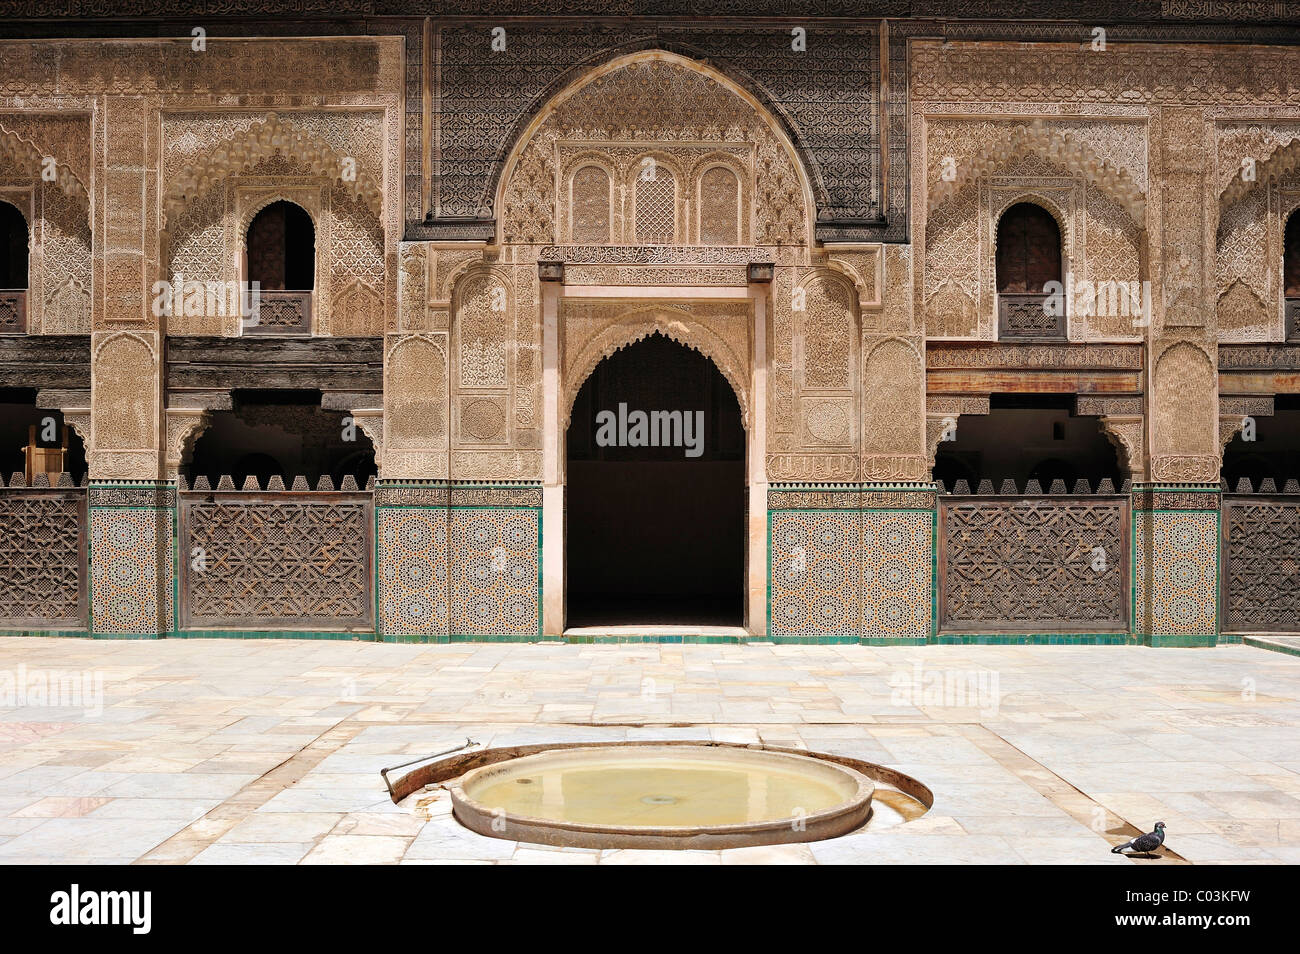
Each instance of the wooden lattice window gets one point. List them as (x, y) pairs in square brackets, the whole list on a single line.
[(590, 206), (719, 207), (656, 206)]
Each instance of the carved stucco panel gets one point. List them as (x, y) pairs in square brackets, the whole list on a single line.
[(125, 405), (416, 395), (678, 113), (594, 329), (1185, 445)]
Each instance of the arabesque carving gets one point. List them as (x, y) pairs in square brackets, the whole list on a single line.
[(273, 136), (658, 125), (595, 329)]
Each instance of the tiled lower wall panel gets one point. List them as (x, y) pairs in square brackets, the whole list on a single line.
[(459, 572), (850, 574), (132, 566), (1176, 575)]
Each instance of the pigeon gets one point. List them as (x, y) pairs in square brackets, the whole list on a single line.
[(1144, 844)]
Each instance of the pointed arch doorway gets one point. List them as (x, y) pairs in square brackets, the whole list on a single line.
[(655, 492)]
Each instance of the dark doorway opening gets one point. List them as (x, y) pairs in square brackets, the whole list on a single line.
[(656, 534)]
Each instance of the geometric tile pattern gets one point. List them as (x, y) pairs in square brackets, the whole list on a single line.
[(815, 571), (897, 572), (131, 571), (412, 556), (1176, 572), (42, 582), (494, 565), (847, 573)]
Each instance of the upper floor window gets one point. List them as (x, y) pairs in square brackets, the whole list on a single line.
[(281, 259), (656, 206), (589, 201), (719, 206), (13, 270), (1028, 258), (1291, 275)]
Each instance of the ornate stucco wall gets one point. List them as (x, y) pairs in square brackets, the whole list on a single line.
[(496, 229)]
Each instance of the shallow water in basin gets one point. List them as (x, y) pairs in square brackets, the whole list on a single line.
[(662, 792)]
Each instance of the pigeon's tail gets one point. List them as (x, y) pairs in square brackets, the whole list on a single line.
[(1118, 849)]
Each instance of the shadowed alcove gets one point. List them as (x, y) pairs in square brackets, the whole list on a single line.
[(1028, 437), (655, 534)]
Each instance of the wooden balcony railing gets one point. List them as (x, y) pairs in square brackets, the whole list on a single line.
[(1025, 317), (281, 313), (1293, 319), (13, 311)]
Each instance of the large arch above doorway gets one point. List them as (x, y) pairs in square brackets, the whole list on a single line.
[(651, 102)]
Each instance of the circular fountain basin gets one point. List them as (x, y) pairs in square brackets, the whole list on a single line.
[(662, 796)]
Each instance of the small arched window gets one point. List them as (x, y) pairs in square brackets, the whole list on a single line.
[(719, 205), (656, 205), (1028, 258), (589, 202), (1291, 275), (281, 260), (13, 270)]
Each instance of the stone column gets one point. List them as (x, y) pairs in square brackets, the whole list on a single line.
[(1176, 514), (132, 504), (552, 466), (756, 479)]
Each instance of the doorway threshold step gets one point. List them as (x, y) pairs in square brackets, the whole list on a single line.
[(656, 631)]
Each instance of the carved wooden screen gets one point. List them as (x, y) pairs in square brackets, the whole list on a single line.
[(1261, 579), (274, 559), (42, 558), (1033, 564)]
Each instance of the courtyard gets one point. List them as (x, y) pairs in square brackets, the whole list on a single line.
[(229, 751)]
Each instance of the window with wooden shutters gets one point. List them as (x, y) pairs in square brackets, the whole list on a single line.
[(590, 206), (719, 207), (1028, 257), (13, 270), (281, 259), (656, 206), (1291, 276)]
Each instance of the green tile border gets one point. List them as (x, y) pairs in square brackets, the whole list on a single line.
[(1270, 647), (1034, 639), (65, 633), (364, 636), (1182, 641)]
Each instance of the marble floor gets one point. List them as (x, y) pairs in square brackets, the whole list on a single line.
[(268, 751)]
